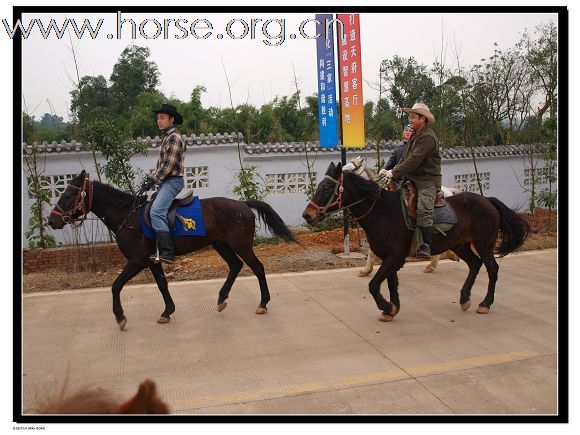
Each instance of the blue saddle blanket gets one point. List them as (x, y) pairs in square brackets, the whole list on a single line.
[(188, 221)]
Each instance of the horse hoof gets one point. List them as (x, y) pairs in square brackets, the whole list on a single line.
[(222, 306), (384, 317), (162, 320), (427, 270), (122, 323), (465, 306), (261, 310), (363, 273), (482, 310)]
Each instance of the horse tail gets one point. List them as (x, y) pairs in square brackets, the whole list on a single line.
[(514, 228), (272, 220)]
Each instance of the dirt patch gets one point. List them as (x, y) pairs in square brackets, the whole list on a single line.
[(315, 252)]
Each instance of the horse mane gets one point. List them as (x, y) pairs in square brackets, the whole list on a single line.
[(82, 401), (100, 401), (367, 187), (114, 195)]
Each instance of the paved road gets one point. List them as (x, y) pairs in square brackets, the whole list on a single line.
[(319, 350)]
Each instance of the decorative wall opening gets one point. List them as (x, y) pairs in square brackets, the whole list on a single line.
[(54, 184), (196, 177), (540, 176), (289, 183), (468, 182)]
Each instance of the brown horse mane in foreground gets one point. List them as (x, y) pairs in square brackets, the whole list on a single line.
[(100, 401)]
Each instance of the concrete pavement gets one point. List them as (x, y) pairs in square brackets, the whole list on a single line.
[(319, 350)]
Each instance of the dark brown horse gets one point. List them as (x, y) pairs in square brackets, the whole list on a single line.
[(230, 228), (379, 212)]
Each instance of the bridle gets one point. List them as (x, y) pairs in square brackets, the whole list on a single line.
[(78, 205), (338, 191)]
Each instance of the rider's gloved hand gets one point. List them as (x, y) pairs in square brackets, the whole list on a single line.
[(349, 167), (386, 174)]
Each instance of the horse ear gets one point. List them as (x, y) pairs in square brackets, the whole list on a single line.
[(331, 167), (145, 401), (339, 167)]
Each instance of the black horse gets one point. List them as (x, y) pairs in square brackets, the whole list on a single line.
[(379, 212), (230, 228)]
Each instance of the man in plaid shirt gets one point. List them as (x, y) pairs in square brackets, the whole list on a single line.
[(169, 175)]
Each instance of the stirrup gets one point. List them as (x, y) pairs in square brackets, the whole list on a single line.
[(424, 252), (155, 257)]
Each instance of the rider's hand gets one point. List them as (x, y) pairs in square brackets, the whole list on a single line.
[(147, 184), (349, 167), (386, 173)]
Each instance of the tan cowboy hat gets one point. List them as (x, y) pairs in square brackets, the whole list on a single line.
[(421, 109)]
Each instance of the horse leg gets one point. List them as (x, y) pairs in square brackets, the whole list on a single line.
[(390, 309), (369, 266), (235, 265), (393, 283), (157, 271), (247, 254), (474, 263), (492, 270), (431, 266), (131, 269)]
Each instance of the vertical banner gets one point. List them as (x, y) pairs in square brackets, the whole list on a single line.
[(350, 72), (326, 82)]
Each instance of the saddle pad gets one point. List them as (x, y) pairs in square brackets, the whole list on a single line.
[(188, 221)]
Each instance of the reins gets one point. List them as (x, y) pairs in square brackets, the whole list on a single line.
[(338, 191), (135, 205)]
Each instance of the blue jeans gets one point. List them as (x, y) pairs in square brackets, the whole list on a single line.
[(168, 190)]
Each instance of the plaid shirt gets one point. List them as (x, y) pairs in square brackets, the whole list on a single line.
[(171, 155)]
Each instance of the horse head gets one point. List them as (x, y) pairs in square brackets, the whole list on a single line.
[(327, 198), (73, 204)]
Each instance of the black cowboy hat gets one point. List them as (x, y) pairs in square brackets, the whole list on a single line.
[(171, 111)]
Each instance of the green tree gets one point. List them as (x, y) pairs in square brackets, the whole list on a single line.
[(381, 121), (37, 235), (142, 121), (117, 147), (408, 82), (249, 186), (193, 112), (267, 126), (312, 115), (541, 52), (28, 132), (90, 98), (132, 74)]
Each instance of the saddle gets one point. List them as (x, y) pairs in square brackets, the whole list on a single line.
[(183, 198), (409, 192)]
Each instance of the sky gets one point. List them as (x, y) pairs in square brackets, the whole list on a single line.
[(258, 72)]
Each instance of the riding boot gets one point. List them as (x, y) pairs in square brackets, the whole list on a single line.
[(165, 246), (424, 251)]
